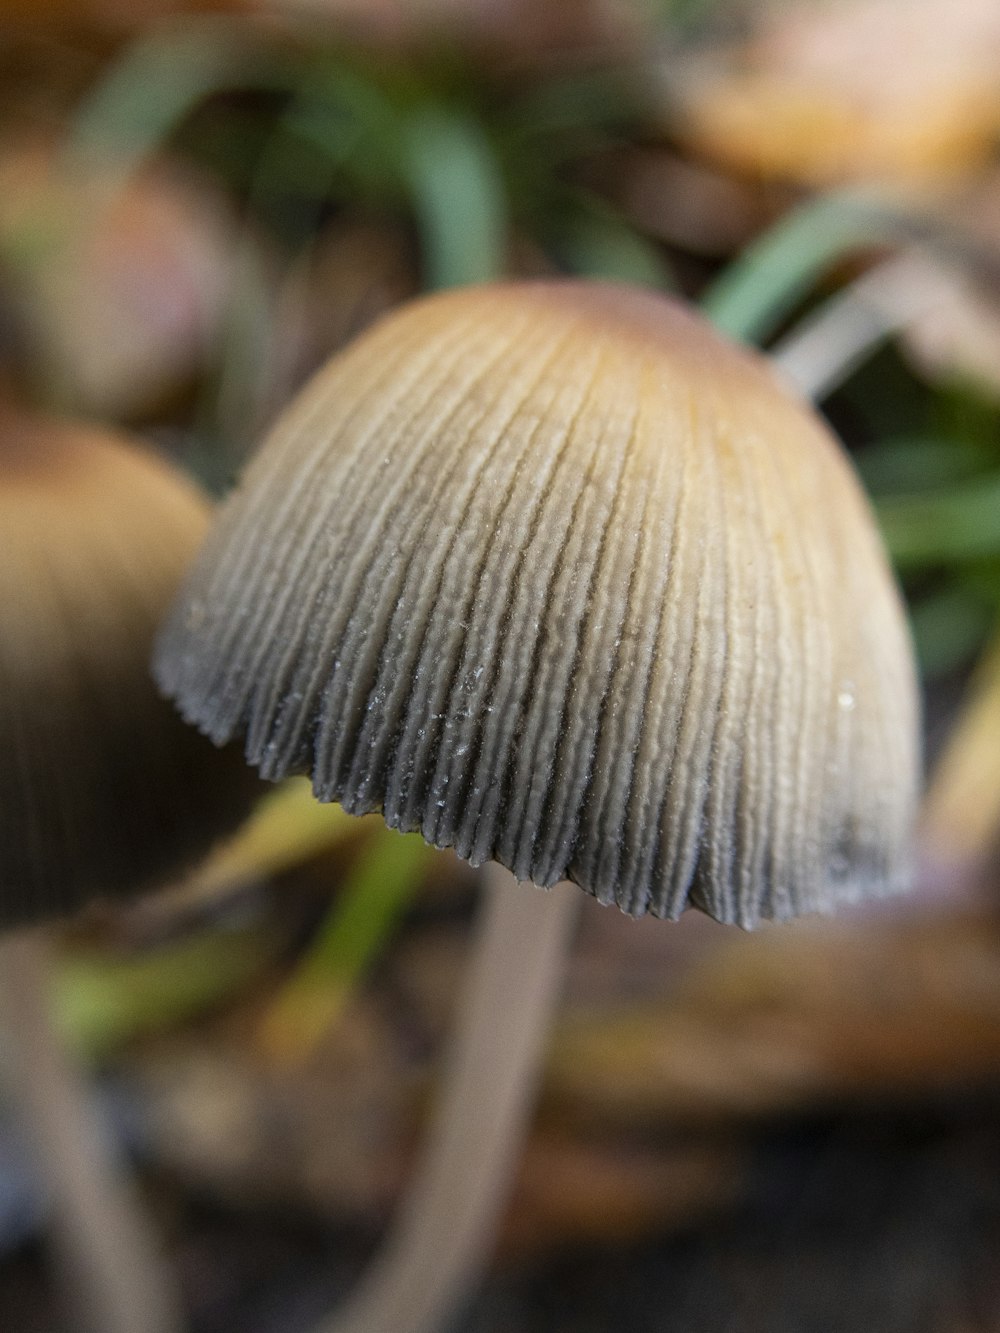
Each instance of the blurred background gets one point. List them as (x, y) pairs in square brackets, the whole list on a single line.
[(796, 1130)]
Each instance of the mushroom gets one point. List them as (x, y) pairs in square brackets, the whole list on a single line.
[(102, 791), (556, 576), (901, 90)]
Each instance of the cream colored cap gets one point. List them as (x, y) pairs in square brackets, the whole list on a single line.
[(556, 576)]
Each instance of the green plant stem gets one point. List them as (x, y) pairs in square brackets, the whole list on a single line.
[(367, 910), (101, 1002)]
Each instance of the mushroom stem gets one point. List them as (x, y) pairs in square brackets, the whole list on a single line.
[(442, 1234), (100, 1236), (825, 347)]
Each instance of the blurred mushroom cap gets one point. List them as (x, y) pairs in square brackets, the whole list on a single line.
[(860, 89), (122, 290), (556, 576), (102, 788)]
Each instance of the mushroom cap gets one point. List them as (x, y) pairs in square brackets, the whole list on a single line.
[(102, 789), (119, 291), (553, 574), (901, 90)]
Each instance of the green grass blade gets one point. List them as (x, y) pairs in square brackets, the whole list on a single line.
[(458, 197), (961, 523), (366, 912), (597, 243), (101, 1002), (755, 292), (155, 84), (920, 463), (949, 627)]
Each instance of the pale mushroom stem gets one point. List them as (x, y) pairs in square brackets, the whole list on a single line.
[(820, 353), (441, 1238), (101, 1239)]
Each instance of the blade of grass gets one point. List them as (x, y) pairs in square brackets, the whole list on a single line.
[(101, 1002), (354, 123), (156, 83), (758, 290), (949, 627), (303, 156), (842, 332), (961, 523), (920, 463), (552, 111), (287, 827), (458, 197), (597, 243), (367, 909)]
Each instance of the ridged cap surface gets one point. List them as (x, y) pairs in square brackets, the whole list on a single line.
[(556, 576)]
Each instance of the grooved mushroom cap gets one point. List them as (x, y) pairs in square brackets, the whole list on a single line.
[(556, 576), (102, 788)]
